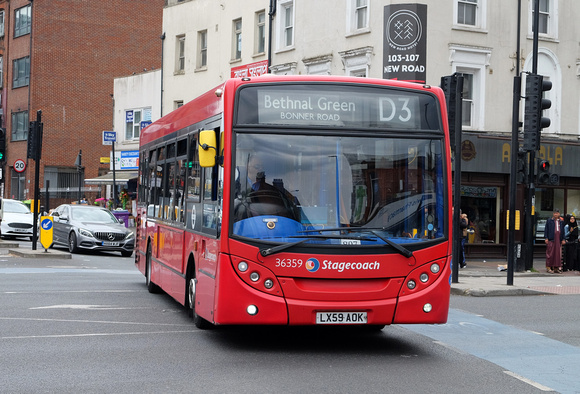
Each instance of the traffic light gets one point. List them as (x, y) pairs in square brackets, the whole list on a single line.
[(522, 174), (534, 105), (449, 87), (544, 176), (2, 145), (32, 148)]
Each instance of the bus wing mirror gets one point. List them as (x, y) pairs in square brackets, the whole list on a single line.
[(207, 148)]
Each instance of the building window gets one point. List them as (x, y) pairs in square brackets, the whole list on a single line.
[(1, 23), (177, 104), (21, 72), (286, 24), (466, 12), (467, 102), (260, 43), (357, 16), (471, 62), (180, 51), (202, 52), (22, 21), (320, 65), (470, 14), (19, 126), (237, 40), (284, 69), (357, 61), (18, 184), (135, 120), (548, 19)]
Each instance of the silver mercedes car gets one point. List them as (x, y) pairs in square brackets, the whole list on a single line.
[(90, 228)]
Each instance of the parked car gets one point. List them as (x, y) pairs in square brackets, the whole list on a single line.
[(17, 220), (90, 228)]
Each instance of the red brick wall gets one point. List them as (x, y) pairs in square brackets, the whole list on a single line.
[(78, 48)]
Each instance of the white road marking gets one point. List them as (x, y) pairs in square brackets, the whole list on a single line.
[(107, 334), (528, 381)]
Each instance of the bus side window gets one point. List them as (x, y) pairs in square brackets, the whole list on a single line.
[(154, 183), (193, 172)]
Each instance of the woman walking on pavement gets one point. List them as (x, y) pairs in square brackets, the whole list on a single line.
[(554, 235), (571, 248)]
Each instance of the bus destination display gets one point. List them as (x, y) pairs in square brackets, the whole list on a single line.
[(317, 105)]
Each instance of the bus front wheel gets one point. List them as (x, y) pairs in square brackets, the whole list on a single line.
[(199, 321)]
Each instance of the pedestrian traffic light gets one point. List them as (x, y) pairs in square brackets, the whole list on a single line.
[(2, 145), (522, 174), (545, 176), (534, 105)]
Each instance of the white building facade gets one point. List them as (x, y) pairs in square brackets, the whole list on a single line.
[(208, 41), (136, 104)]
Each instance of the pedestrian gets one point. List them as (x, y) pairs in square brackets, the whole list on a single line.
[(571, 247), (554, 238), (463, 224)]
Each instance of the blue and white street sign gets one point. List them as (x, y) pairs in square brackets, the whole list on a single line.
[(109, 137)]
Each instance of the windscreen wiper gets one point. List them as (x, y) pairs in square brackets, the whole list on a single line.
[(269, 251), (373, 230)]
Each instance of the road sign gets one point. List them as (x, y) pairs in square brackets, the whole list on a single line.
[(19, 165), (109, 137), (46, 231)]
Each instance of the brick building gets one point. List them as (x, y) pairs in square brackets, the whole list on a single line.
[(61, 57)]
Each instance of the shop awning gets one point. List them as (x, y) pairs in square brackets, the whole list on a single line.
[(121, 178)]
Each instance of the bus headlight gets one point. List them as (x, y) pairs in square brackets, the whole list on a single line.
[(268, 283), (243, 266), (427, 308), (424, 277), (435, 268), (411, 284)]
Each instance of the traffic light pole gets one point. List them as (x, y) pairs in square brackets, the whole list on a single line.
[(37, 153), (511, 250), (530, 196)]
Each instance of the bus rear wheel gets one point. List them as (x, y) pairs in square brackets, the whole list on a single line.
[(199, 321), (152, 287)]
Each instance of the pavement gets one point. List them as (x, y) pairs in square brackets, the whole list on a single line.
[(483, 278), (480, 278)]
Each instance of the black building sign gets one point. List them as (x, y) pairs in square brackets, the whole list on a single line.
[(405, 42)]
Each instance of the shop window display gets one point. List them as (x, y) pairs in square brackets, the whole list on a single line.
[(481, 206)]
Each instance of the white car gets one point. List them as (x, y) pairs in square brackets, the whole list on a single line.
[(17, 220)]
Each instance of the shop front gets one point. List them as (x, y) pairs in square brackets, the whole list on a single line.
[(485, 169)]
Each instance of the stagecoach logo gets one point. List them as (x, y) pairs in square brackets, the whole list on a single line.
[(193, 215), (312, 265), (404, 30)]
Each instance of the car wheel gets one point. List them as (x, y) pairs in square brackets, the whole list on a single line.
[(198, 321), (152, 287), (72, 243)]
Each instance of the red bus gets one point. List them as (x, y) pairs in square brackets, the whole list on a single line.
[(300, 200)]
